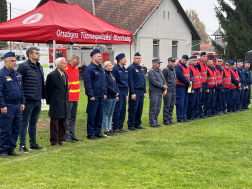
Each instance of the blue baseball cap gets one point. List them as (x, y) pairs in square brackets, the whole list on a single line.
[(120, 56), (185, 57), (156, 60), (95, 51), (203, 53), (231, 62), (247, 61), (209, 58), (219, 57), (193, 57), (137, 54), (239, 60), (9, 54)]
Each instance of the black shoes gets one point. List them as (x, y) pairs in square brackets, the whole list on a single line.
[(139, 127), (155, 126), (167, 123), (132, 128), (23, 149), (37, 147), (77, 139), (117, 131), (13, 154), (100, 136), (69, 140), (4, 155), (171, 122), (125, 131), (92, 137)]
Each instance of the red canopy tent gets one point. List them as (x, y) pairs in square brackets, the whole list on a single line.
[(62, 23), (65, 23)]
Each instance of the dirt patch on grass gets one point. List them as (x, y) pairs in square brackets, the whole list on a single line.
[(43, 124)]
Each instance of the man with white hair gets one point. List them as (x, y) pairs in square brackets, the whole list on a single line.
[(12, 102), (57, 97)]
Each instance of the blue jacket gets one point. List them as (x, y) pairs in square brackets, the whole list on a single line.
[(180, 76), (31, 82), (136, 78), (94, 81), (121, 76), (10, 87), (241, 75), (112, 88), (247, 77)]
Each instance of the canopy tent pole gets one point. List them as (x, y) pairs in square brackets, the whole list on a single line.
[(54, 53), (71, 51)]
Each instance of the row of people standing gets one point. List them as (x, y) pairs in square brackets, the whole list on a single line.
[(108, 92), (216, 89)]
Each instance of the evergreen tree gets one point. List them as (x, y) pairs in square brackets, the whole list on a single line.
[(235, 19), (3, 17)]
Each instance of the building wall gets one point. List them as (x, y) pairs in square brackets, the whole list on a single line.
[(163, 29)]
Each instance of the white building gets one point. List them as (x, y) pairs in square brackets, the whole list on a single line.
[(160, 28)]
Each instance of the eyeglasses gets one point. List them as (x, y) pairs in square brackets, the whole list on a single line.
[(219, 61)]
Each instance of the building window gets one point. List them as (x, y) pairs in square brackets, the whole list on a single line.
[(164, 15), (174, 49), (155, 48)]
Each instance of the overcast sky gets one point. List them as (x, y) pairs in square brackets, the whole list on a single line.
[(205, 9)]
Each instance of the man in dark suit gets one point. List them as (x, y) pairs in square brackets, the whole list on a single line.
[(57, 97)]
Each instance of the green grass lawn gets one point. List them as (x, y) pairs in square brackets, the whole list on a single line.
[(209, 153)]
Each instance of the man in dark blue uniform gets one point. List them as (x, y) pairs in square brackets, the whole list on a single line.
[(11, 103), (239, 94), (95, 88), (247, 83), (121, 75), (184, 80), (137, 93)]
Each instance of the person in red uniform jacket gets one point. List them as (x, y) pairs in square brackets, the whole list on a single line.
[(183, 80), (193, 99), (72, 71)]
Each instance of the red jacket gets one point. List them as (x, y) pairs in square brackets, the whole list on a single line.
[(197, 83), (211, 79), (203, 71), (73, 82), (236, 76), (226, 78)]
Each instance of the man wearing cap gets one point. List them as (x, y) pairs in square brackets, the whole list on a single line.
[(239, 94), (193, 98), (247, 83), (95, 89), (137, 93), (210, 88), (226, 85), (169, 99), (201, 65), (234, 87), (157, 87), (12, 102), (219, 88), (183, 81), (121, 75)]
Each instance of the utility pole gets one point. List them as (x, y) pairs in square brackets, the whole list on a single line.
[(93, 4), (10, 9)]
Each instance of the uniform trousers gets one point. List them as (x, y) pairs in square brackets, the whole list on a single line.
[(94, 116), (135, 109), (181, 103), (169, 101), (9, 128), (120, 109), (218, 101), (193, 104), (224, 99), (155, 107), (246, 98), (209, 102), (238, 99), (202, 96), (231, 100)]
